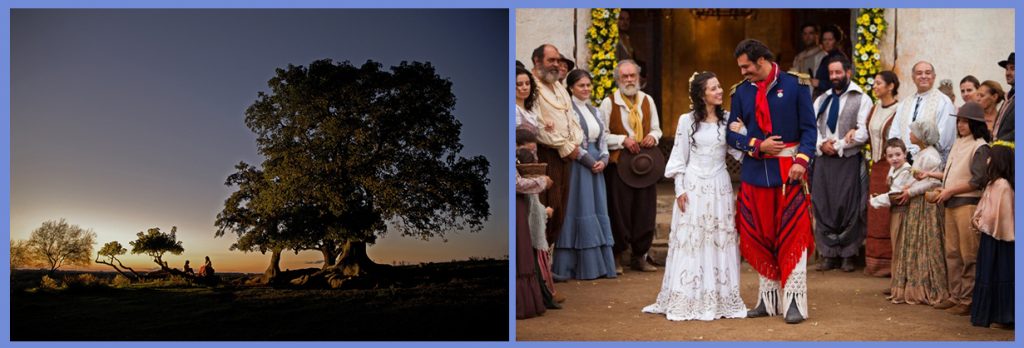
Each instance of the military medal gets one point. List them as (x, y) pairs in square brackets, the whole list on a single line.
[(779, 93)]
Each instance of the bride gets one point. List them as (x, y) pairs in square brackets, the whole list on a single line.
[(702, 270)]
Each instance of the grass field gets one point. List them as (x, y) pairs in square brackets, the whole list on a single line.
[(464, 300)]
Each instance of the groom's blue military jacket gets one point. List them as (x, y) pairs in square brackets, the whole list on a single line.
[(792, 116)]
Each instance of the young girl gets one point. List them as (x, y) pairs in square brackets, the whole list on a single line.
[(918, 267), (993, 290)]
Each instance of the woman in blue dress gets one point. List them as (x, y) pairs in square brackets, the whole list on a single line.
[(584, 248)]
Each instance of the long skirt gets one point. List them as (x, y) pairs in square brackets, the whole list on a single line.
[(702, 271), (529, 301), (584, 248), (993, 286), (878, 245), (919, 264)]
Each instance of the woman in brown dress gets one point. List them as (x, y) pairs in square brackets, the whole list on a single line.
[(879, 244)]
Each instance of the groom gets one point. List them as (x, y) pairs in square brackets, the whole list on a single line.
[(772, 205)]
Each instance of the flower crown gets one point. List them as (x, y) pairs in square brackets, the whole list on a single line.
[(690, 83), (1005, 143)]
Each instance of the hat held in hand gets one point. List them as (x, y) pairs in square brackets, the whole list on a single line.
[(641, 169)]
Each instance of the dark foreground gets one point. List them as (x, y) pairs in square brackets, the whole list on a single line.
[(465, 300)]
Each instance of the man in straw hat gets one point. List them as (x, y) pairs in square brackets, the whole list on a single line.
[(772, 208), (632, 121)]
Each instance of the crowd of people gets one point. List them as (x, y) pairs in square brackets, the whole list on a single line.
[(922, 186)]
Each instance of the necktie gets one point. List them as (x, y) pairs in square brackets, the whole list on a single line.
[(916, 105), (833, 111)]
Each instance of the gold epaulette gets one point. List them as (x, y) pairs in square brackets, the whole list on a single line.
[(804, 79), (732, 90)]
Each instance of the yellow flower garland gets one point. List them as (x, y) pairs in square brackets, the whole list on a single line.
[(871, 26), (602, 36)]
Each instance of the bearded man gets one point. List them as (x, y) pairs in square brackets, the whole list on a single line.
[(632, 120), (559, 136), (837, 192)]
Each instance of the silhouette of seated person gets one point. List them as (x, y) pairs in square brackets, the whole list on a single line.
[(188, 269), (206, 269)]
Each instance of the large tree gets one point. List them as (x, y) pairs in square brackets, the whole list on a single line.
[(351, 152), (58, 243)]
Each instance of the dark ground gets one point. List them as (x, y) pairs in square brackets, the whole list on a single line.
[(465, 300)]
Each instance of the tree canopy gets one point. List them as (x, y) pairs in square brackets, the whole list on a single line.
[(351, 152), (21, 255), (155, 244), (108, 255), (58, 243)]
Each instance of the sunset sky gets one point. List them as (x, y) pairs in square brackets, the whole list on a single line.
[(123, 120)]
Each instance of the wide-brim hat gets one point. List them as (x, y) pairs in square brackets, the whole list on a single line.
[(971, 111), (572, 65), (642, 169), (1009, 60)]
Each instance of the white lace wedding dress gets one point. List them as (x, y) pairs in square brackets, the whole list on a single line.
[(702, 270)]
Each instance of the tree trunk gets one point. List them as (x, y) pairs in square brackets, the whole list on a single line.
[(353, 261), (115, 268), (329, 250), (274, 268), (137, 275)]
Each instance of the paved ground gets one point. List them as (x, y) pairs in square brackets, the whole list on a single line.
[(843, 306)]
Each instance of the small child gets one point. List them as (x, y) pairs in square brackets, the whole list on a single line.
[(899, 178), (526, 147)]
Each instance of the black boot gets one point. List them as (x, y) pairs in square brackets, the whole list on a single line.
[(793, 314), (848, 264), (758, 312), (828, 263)]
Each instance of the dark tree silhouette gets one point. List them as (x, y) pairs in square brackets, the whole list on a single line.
[(351, 153), (108, 255), (155, 244)]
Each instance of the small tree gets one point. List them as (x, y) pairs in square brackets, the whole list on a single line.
[(155, 243), (109, 253), (21, 255), (57, 243)]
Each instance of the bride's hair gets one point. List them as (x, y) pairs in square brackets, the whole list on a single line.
[(698, 85)]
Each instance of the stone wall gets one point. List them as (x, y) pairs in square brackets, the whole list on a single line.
[(564, 28), (959, 42)]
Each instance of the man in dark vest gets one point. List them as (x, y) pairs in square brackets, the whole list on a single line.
[(772, 205), (838, 195), (632, 120), (1003, 129)]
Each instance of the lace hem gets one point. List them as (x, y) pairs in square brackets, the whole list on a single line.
[(707, 305)]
